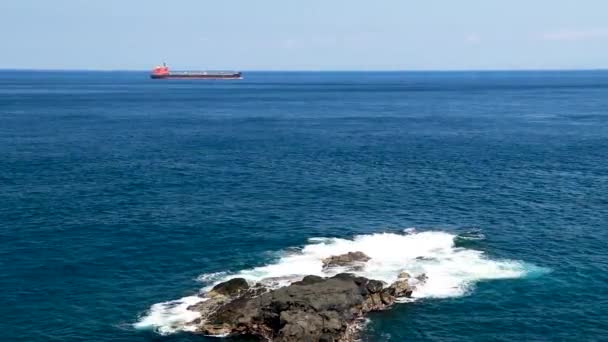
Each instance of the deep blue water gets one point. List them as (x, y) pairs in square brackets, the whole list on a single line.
[(118, 191)]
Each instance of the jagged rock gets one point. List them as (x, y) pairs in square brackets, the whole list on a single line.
[(352, 259), (388, 296), (401, 288), (374, 286), (225, 292), (313, 309), (373, 302)]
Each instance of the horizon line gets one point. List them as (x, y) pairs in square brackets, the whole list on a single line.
[(325, 70)]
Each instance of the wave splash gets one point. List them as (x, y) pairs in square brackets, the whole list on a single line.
[(452, 271)]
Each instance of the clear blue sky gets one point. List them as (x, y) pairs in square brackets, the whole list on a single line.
[(304, 34)]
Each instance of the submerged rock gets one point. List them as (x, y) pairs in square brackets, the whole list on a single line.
[(421, 278), (313, 309), (425, 258), (404, 275), (352, 259)]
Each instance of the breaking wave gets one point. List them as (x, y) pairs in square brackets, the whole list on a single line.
[(452, 271)]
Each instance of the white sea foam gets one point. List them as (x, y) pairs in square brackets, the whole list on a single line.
[(170, 317), (452, 271), (211, 277)]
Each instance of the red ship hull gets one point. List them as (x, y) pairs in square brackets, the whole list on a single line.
[(209, 76), (162, 72)]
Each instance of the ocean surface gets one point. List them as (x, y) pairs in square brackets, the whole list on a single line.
[(122, 197)]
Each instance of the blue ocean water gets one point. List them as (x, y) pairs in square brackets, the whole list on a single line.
[(119, 192)]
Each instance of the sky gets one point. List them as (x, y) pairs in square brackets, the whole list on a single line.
[(304, 34)]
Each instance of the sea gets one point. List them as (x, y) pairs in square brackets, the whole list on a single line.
[(122, 198)]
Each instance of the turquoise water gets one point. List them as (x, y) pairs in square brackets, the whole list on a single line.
[(121, 194)]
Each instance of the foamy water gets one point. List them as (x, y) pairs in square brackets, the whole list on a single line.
[(452, 271)]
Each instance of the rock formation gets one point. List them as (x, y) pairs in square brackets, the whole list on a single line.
[(313, 309), (230, 288), (353, 260)]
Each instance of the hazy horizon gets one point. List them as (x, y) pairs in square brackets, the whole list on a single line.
[(319, 70), (279, 35)]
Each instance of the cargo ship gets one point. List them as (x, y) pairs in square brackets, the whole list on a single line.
[(162, 72)]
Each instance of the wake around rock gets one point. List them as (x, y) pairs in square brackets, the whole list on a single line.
[(312, 309), (307, 295)]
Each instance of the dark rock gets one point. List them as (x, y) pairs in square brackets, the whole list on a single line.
[(374, 286), (422, 277), (387, 296), (424, 258), (230, 288), (373, 302), (347, 276), (326, 338), (361, 281), (309, 279), (313, 309), (401, 288), (353, 259)]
